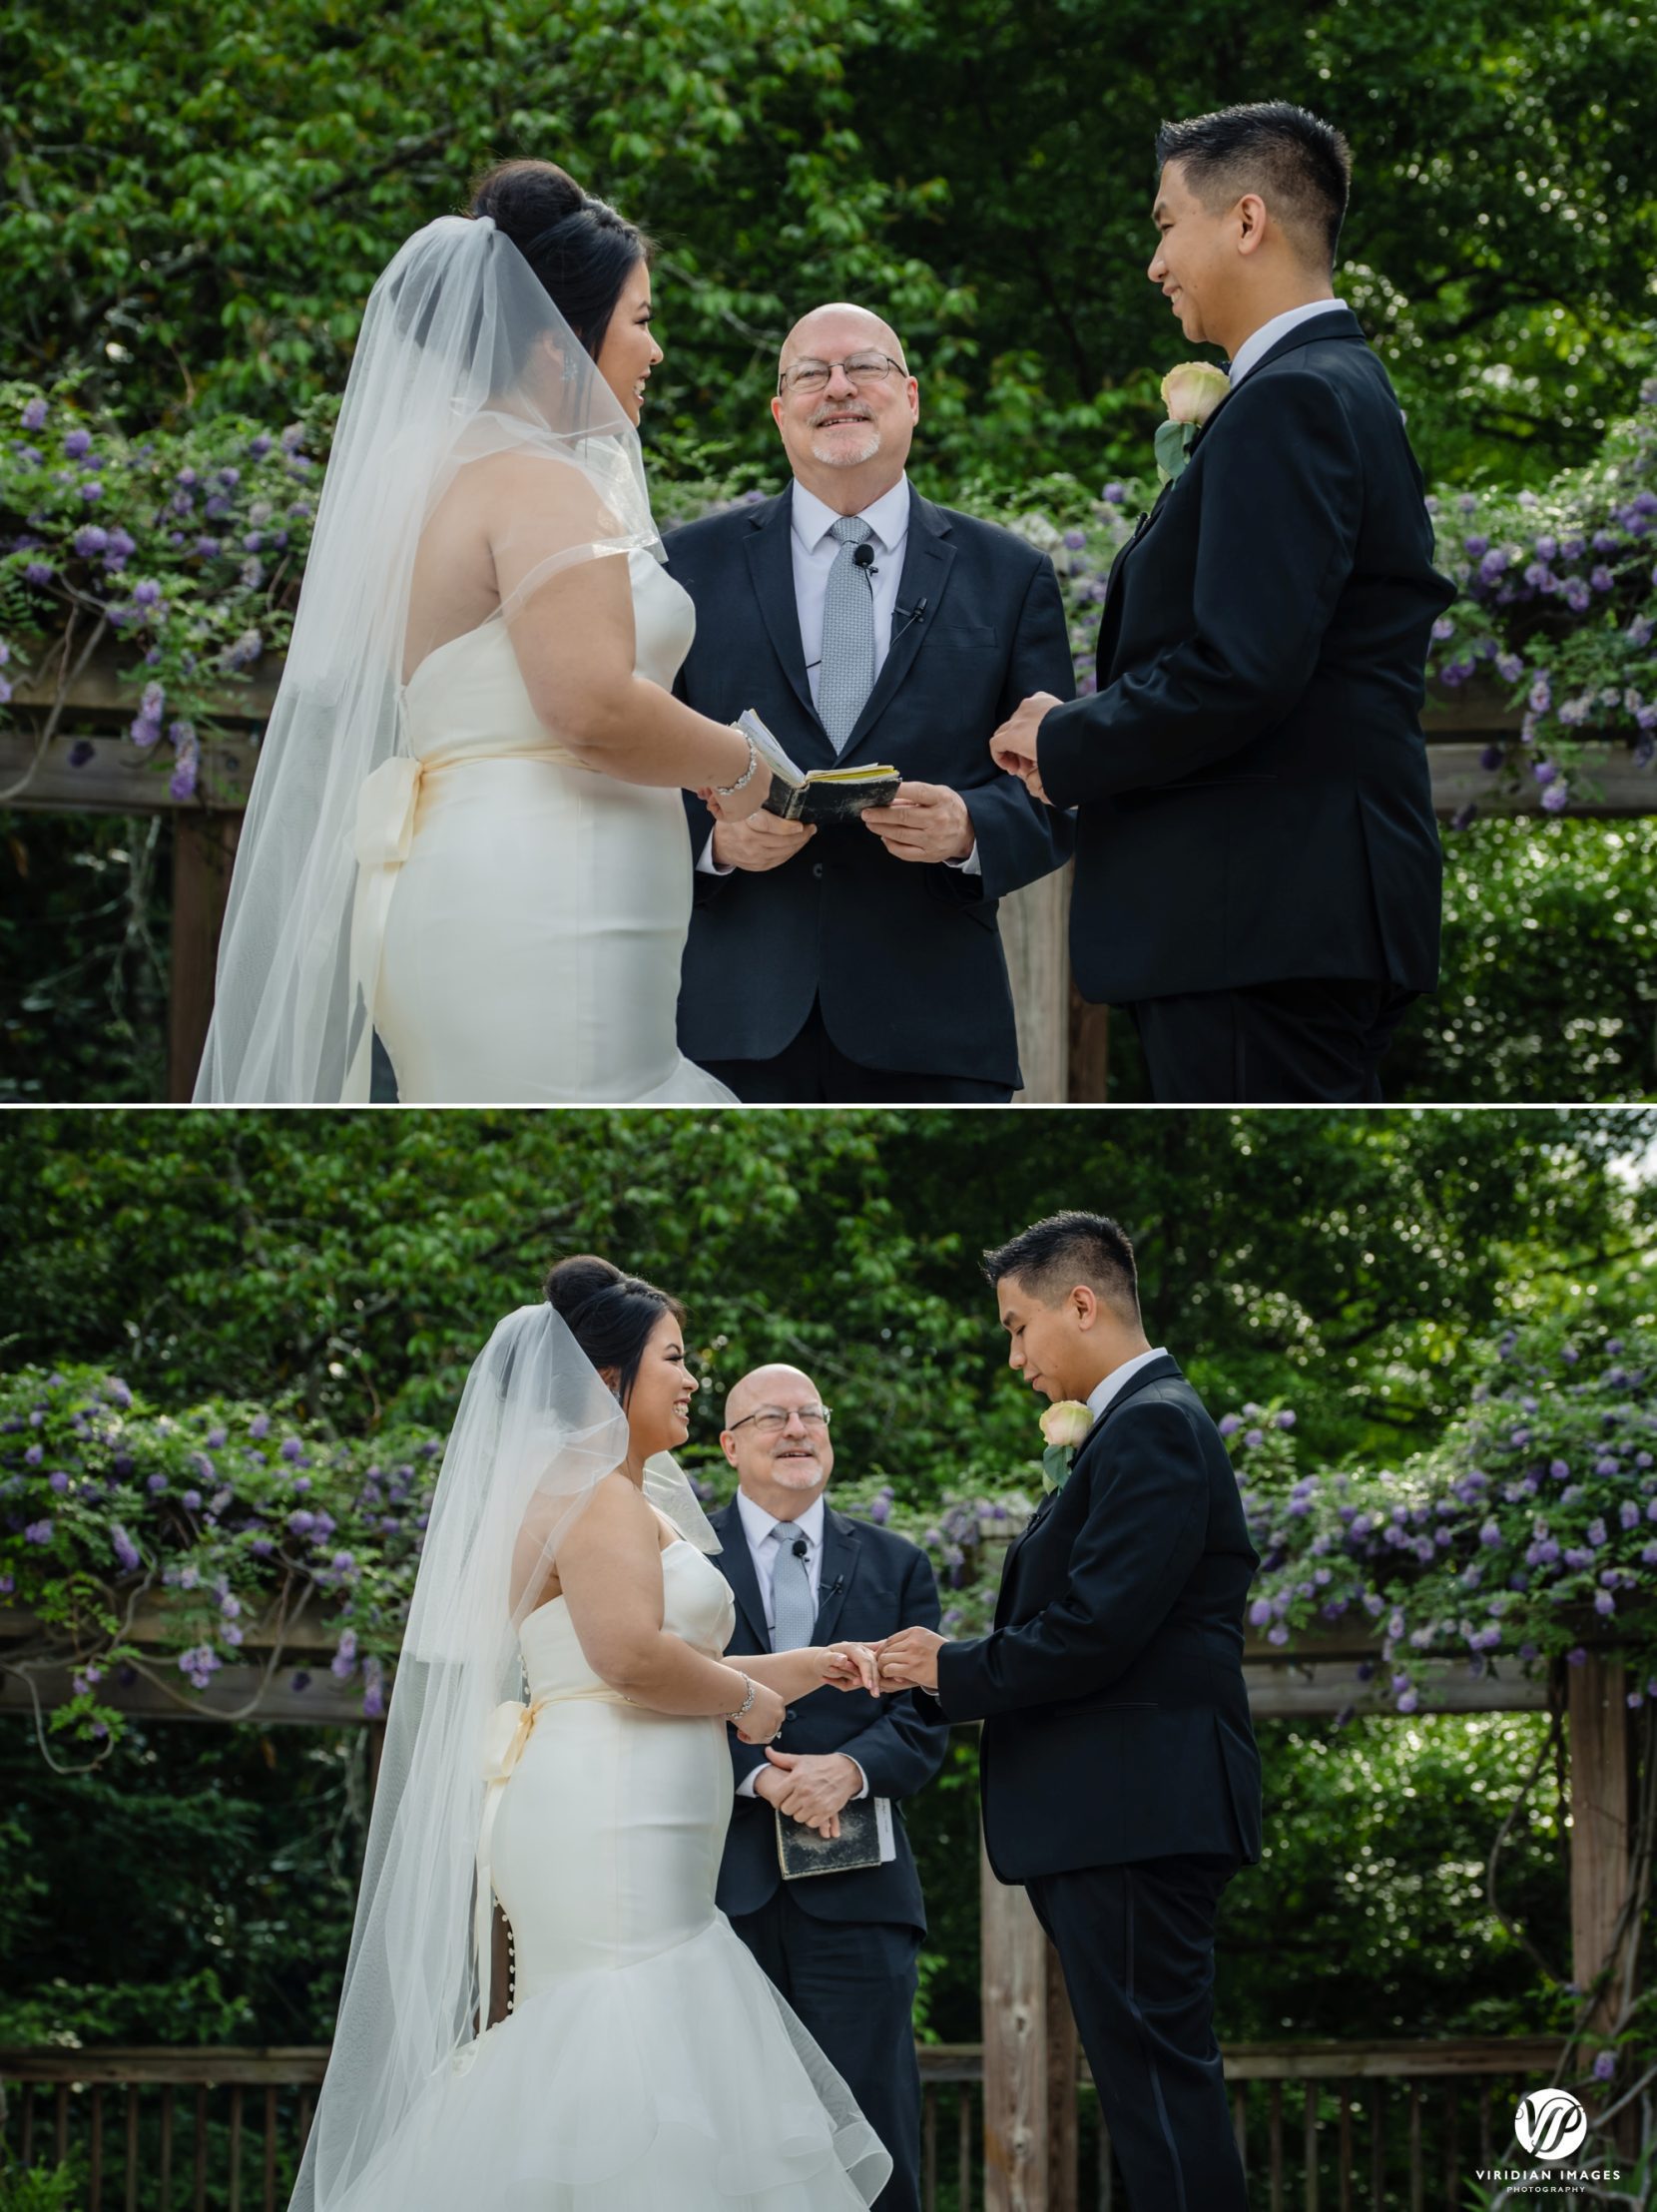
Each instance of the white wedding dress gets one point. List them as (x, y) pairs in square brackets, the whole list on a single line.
[(646, 2064), (533, 911)]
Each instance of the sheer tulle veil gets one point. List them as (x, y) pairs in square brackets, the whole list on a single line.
[(462, 358), (536, 1431)]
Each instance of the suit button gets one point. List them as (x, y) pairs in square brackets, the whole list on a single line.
[(816, 870), (792, 1714)]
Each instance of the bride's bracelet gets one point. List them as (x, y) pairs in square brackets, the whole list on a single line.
[(753, 1693), (729, 790)]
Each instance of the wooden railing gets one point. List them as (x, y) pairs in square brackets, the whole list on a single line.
[(1331, 2127)]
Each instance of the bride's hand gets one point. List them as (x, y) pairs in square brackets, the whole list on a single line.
[(763, 1718), (850, 1666)]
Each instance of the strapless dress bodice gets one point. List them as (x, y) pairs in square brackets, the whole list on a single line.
[(695, 1604), (469, 697)]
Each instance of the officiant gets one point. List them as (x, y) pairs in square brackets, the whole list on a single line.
[(842, 1947), (866, 625)]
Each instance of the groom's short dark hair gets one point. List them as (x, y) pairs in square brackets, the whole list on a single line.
[(1052, 1257), (1300, 164)]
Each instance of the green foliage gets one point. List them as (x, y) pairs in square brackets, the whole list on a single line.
[(1338, 1262), (85, 953), (39, 2190), (1528, 1527), (1376, 1837), (1549, 984), (237, 179), (236, 1852)]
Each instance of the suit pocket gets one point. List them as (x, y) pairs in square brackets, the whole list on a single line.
[(970, 637)]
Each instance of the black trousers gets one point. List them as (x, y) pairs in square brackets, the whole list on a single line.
[(1137, 1947), (1321, 1039), (813, 1071), (852, 1982)]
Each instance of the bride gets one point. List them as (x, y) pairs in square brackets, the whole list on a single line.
[(644, 2059), (465, 827)]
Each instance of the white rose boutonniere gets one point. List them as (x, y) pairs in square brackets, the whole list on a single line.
[(1063, 1425), (1190, 392)]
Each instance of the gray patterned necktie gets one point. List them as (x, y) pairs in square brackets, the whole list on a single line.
[(846, 676), (791, 1599)]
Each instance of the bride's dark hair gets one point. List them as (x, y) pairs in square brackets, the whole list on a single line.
[(610, 1315), (580, 249)]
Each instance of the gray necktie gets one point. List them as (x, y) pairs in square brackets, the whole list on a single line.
[(846, 676), (791, 1599)]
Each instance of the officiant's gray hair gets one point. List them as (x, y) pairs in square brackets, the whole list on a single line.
[(1052, 1256), (1300, 164)]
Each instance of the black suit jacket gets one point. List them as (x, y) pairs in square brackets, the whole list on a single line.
[(906, 958), (873, 1583), (1254, 804), (1116, 1722)]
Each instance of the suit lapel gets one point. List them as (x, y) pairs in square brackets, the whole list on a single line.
[(1153, 1371), (771, 566), (737, 1564), (840, 1548), (1340, 323), (928, 559)]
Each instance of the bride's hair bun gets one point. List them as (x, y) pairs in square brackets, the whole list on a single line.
[(580, 249), (610, 1315)]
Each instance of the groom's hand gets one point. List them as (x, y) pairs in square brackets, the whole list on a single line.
[(925, 822), (1013, 745), (909, 1660), (764, 840), (810, 1787)]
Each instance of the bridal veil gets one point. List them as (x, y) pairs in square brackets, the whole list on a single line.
[(536, 1431), (463, 362)]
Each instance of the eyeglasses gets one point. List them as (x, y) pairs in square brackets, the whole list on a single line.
[(861, 368), (771, 1419)]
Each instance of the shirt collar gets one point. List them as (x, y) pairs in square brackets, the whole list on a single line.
[(757, 1524), (888, 517), (1102, 1394), (1260, 342)]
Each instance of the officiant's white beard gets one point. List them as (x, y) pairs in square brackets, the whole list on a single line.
[(830, 455)]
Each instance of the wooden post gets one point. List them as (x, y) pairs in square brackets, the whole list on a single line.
[(1029, 2061), (1601, 1808), (204, 849), (1602, 1805), (1034, 935), (1089, 1050)]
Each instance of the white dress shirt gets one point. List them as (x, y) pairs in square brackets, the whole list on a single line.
[(815, 549), (1102, 1393), (1260, 342), (763, 1536)]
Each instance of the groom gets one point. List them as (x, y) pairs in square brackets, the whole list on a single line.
[(1257, 860), (842, 1947), (1120, 1779)]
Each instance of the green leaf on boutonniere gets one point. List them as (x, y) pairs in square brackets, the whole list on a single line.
[(1173, 446), (1055, 1464)]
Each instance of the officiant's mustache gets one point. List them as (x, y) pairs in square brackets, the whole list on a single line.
[(839, 415)]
